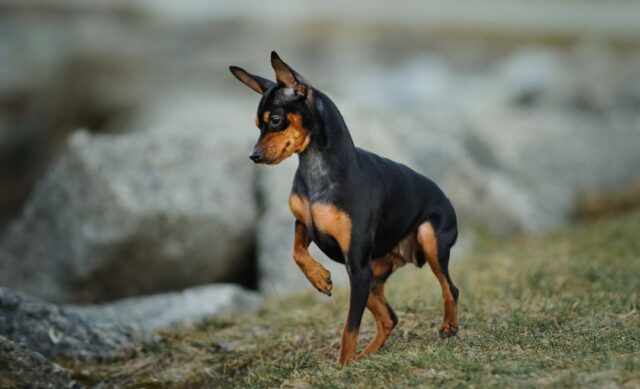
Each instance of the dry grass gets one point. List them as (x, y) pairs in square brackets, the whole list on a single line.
[(557, 311)]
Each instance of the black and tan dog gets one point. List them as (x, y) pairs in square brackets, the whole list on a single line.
[(368, 212)]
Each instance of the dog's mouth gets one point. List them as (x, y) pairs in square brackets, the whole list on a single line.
[(281, 157), (284, 153), (270, 161)]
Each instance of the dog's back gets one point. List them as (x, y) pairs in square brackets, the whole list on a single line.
[(402, 199)]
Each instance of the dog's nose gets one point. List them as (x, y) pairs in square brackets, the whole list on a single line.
[(255, 156)]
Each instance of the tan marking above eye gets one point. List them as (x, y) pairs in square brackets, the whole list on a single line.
[(265, 116), (333, 221)]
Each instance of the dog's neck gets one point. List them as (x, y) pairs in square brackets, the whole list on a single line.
[(331, 154)]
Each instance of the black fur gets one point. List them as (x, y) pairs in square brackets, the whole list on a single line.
[(385, 200)]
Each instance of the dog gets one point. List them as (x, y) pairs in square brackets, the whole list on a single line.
[(370, 213)]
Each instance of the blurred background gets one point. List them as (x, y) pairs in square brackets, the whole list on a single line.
[(124, 140)]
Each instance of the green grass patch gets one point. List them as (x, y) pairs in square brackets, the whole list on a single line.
[(556, 311)]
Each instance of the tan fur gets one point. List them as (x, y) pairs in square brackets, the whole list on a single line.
[(326, 217), (299, 206), (334, 222), (429, 243), (348, 344), (377, 304), (319, 277), (278, 146), (380, 267)]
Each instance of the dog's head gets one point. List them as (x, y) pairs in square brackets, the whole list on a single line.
[(284, 114)]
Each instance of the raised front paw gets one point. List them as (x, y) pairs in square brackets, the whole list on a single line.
[(320, 278)]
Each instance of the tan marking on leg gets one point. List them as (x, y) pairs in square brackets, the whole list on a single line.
[(429, 243), (334, 222), (377, 304), (380, 267), (319, 277), (299, 206), (348, 344)]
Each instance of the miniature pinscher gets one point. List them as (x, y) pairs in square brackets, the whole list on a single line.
[(365, 211)]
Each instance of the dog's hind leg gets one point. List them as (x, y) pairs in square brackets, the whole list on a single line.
[(436, 250), (384, 316)]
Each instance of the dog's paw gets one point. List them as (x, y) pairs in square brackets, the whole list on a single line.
[(448, 330), (321, 279)]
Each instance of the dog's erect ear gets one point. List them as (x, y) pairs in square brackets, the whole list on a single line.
[(287, 77), (256, 83)]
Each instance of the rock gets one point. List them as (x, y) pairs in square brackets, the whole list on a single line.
[(23, 368), (549, 158), (534, 74), (57, 333), (55, 76), (162, 311), (137, 213)]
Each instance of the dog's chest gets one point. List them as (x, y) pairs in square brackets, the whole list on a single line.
[(328, 226)]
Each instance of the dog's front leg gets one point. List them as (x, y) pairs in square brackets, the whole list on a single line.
[(319, 277), (359, 271), (356, 248)]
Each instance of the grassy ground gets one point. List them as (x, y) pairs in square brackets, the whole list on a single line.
[(555, 311)]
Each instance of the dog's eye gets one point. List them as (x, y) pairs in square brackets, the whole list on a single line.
[(275, 120)]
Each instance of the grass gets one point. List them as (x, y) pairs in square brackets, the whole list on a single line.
[(555, 311)]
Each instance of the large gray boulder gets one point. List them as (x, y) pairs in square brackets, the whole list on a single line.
[(57, 333), (543, 160), (85, 70), (23, 368), (130, 214), (167, 310)]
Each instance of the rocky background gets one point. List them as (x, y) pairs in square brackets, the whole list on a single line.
[(126, 193)]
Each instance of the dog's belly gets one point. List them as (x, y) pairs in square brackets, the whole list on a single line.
[(405, 251)]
